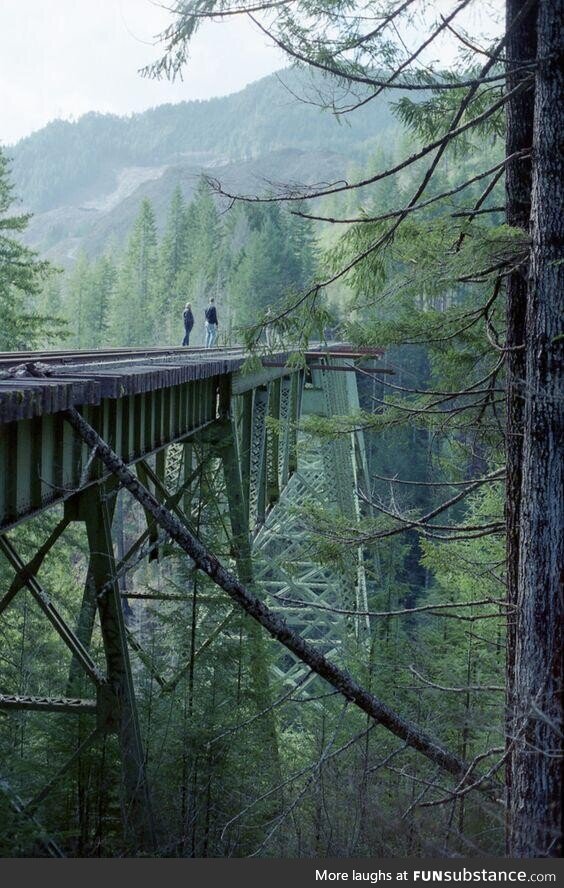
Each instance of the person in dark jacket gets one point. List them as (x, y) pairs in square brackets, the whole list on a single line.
[(211, 324), (188, 323)]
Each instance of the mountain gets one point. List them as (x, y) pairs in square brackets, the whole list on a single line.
[(84, 180)]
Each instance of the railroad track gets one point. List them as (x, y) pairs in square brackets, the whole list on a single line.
[(114, 355), (69, 357)]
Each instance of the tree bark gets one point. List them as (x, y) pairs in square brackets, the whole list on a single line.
[(536, 763), (521, 45)]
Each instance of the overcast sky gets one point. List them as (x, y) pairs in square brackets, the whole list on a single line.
[(61, 58)]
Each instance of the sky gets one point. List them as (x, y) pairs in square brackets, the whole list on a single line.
[(62, 58)]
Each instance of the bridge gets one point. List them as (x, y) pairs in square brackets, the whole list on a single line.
[(213, 439)]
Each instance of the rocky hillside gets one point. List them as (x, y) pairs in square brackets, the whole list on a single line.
[(83, 181)]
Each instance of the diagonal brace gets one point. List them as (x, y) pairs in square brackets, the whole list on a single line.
[(68, 636), (33, 566)]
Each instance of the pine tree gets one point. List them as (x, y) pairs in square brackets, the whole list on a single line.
[(104, 279), (207, 243), (303, 248), (174, 258), (203, 273), (22, 276), (134, 306), (79, 299), (50, 304)]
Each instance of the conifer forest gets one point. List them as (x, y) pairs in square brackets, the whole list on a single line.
[(363, 665)]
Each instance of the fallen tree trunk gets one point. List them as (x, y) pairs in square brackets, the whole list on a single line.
[(275, 625)]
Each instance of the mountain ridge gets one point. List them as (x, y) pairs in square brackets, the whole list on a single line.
[(80, 178)]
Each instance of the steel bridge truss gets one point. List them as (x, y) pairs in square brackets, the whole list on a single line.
[(241, 433)]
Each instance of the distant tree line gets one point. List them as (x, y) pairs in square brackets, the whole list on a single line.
[(23, 276), (246, 259)]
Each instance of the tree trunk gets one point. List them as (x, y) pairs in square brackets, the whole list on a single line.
[(275, 625), (536, 767), (521, 45)]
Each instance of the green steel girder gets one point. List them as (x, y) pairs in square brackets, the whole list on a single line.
[(258, 458), (48, 704), (317, 597), (74, 644), (114, 706), (136, 806), (44, 463), (287, 420), (222, 419), (272, 445), (33, 566)]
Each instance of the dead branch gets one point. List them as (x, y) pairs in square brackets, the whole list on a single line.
[(274, 624)]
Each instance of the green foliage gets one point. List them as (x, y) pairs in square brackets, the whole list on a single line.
[(248, 259), (22, 276), (431, 118), (276, 262), (133, 313)]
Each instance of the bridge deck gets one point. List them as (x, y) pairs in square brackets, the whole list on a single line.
[(138, 400), (77, 378)]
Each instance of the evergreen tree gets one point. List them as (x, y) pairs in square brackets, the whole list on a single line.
[(277, 259), (134, 305), (174, 258), (203, 273), (50, 304), (303, 248), (206, 263), (79, 303), (22, 275), (104, 279)]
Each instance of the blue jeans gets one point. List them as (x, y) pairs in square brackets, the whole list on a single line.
[(211, 335), (186, 340)]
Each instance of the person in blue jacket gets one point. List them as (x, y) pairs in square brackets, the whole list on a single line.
[(211, 323), (188, 323)]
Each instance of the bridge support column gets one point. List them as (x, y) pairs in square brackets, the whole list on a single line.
[(273, 445), (88, 607), (142, 473), (121, 709), (257, 492), (225, 442), (246, 427), (286, 419), (295, 412), (186, 478)]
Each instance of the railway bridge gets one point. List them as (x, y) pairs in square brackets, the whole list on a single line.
[(205, 433)]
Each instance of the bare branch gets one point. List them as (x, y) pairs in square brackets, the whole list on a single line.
[(438, 687), (274, 624), (443, 141), (420, 206)]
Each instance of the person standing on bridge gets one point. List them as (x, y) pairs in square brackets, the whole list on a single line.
[(211, 323), (188, 323)]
